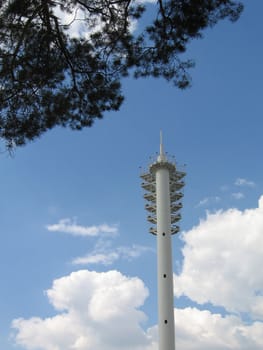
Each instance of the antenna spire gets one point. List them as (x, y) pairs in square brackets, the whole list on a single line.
[(161, 157)]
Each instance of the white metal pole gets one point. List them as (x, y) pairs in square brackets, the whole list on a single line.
[(163, 184), (164, 265)]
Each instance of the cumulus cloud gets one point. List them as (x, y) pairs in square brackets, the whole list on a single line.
[(71, 227), (202, 330), (75, 22), (222, 258), (96, 311), (103, 311), (144, 1), (77, 25), (244, 182), (106, 255)]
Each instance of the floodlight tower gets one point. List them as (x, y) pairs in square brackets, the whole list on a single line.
[(163, 183)]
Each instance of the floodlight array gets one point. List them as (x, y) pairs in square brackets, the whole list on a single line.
[(176, 184)]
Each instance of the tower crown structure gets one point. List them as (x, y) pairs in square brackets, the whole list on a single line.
[(175, 186), (163, 184)]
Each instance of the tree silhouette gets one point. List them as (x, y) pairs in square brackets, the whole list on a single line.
[(51, 75)]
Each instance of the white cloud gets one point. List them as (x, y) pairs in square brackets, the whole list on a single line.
[(208, 201), (75, 22), (243, 182), (78, 26), (97, 258), (71, 227), (102, 311), (222, 265), (96, 311), (144, 1), (105, 255), (103, 252), (203, 330), (202, 202), (134, 251), (222, 260), (238, 195)]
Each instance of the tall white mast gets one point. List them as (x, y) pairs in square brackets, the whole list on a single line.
[(163, 184)]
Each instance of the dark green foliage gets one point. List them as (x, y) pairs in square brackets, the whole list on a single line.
[(50, 77)]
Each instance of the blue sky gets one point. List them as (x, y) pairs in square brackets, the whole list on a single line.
[(75, 256)]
